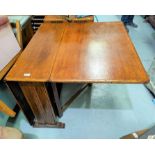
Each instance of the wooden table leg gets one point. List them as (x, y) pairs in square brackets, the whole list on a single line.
[(63, 107), (34, 100), (21, 101), (7, 110), (72, 98), (57, 98)]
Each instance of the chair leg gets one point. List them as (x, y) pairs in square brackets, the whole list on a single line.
[(4, 108)]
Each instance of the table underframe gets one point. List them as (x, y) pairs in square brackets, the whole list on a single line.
[(40, 102)]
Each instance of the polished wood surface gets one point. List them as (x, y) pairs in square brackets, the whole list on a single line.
[(71, 52), (4, 71), (36, 61), (97, 52), (80, 52)]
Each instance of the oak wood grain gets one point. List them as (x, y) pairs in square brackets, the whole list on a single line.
[(21, 101), (80, 52), (39, 101), (97, 52), (4, 71), (36, 61)]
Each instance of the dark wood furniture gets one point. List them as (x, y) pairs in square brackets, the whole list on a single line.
[(71, 52), (36, 21)]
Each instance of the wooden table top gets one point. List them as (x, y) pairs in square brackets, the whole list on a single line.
[(36, 61), (80, 52)]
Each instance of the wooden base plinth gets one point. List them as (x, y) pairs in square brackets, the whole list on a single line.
[(49, 125)]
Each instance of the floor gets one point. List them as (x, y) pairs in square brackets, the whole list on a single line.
[(7, 97), (106, 110)]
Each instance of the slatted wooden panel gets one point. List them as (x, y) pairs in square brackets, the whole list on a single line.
[(36, 21), (21, 101), (39, 101)]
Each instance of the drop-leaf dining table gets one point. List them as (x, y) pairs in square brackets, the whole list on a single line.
[(71, 53)]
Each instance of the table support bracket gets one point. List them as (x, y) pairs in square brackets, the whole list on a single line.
[(67, 104)]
